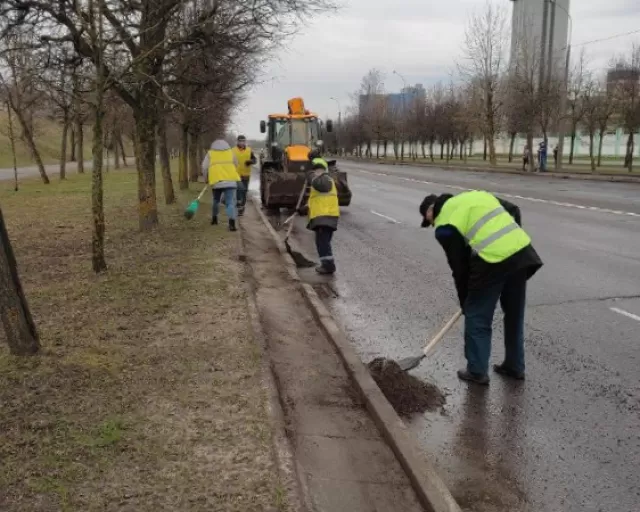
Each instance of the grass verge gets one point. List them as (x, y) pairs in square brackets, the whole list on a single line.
[(147, 394)]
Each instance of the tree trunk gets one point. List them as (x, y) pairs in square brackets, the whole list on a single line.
[(72, 144), (28, 137), (12, 141), (169, 194), (377, 150), (600, 142), (491, 129), (512, 143), (402, 149), (97, 205), (18, 324), (63, 148), (183, 175), (461, 150), (532, 157), (572, 148), (591, 152), (145, 122), (484, 154), (122, 151), (431, 149), (80, 145), (116, 152), (441, 150), (194, 167), (629, 154)]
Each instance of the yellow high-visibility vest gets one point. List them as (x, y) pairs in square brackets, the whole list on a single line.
[(222, 167), (243, 156), (488, 228), (324, 204)]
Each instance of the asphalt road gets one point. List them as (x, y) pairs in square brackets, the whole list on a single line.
[(567, 439)]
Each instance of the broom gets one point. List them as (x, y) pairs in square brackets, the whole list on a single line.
[(298, 257), (191, 210)]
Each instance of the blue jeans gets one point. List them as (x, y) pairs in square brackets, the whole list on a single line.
[(479, 308), (323, 245), (229, 201), (243, 190)]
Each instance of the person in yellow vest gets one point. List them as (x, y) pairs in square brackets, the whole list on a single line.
[(324, 212), (245, 157), (219, 168), (492, 259)]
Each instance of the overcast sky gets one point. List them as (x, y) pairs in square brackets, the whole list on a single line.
[(418, 38)]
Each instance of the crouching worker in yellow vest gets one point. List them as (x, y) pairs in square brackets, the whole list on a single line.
[(219, 168), (324, 213), (492, 258)]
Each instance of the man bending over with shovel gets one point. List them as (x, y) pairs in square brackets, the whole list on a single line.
[(492, 258)]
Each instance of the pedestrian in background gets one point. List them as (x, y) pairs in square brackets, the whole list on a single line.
[(491, 258), (245, 159), (219, 168)]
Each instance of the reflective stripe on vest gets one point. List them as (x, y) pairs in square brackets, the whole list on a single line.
[(243, 157), (222, 167), (324, 204), (494, 236)]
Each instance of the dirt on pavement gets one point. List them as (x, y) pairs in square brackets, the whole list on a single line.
[(407, 394)]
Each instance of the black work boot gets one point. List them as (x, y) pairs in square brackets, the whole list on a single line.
[(240, 211), (326, 270), (503, 369), (476, 378), (232, 225), (214, 221)]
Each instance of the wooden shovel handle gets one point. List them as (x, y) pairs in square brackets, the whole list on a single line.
[(296, 212), (206, 187), (438, 337)]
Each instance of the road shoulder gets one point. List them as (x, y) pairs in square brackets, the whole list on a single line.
[(339, 421)]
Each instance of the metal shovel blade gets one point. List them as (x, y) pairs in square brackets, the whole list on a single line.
[(409, 363)]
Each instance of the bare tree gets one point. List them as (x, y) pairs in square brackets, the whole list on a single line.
[(21, 61), (18, 324), (579, 80), (484, 65), (145, 36), (11, 135), (628, 98)]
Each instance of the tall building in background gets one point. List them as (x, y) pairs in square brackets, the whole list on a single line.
[(530, 34)]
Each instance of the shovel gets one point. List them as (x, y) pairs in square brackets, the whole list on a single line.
[(298, 257), (410, 363)]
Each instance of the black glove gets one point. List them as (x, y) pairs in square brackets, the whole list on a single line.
[(303, 211)]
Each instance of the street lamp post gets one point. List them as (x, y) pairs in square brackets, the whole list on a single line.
[(404, 113), (565, 91), (339, 130)]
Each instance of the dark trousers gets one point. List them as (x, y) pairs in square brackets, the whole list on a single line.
[(479, 308), (323, 245), (243, 190)]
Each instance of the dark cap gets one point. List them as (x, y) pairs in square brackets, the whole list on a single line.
[(241, 138), (424, 206)]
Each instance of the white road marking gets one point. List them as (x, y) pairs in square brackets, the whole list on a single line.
[(625, 313), (513, 196), (386, 217)]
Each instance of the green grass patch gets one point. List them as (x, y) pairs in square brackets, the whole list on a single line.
[(147, 392)]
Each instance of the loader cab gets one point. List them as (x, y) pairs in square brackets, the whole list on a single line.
[(284, 131)]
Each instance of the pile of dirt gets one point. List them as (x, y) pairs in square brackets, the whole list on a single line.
[(407, 394)]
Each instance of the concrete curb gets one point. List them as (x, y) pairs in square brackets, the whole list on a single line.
[(429, 487), (612, 178), (288, 472)]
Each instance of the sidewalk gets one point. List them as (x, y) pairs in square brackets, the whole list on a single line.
[(342, 461), (605, 173)]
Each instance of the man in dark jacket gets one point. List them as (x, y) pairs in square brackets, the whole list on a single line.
[(324, 213), (491, 258)]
